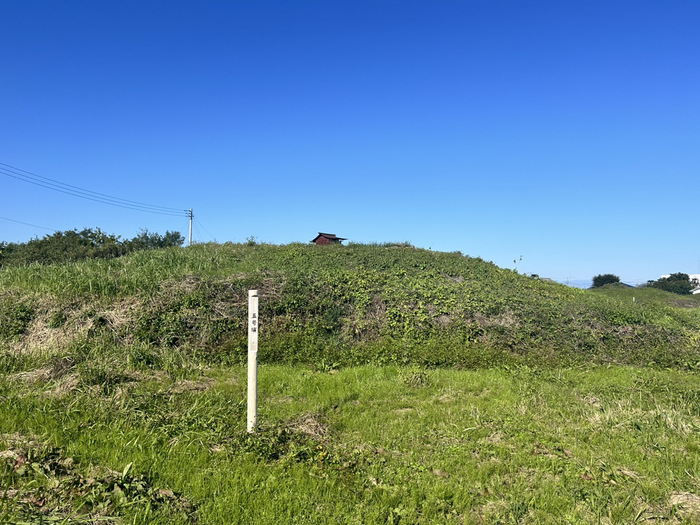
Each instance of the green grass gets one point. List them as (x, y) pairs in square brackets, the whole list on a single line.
[(397, 385), (360, 445)]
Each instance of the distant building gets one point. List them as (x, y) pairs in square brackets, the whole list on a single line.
[(327, 238)]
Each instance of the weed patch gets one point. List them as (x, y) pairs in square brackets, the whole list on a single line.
[(302, 440), (15, 315), (46, 486)]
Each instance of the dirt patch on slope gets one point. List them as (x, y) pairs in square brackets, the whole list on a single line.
[(55, 326)]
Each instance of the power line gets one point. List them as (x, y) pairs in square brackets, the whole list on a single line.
[(28, 224), (205, 230), (32, 177), (75, 191)]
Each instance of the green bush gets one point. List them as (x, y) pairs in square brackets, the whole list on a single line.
[(603, 279), (678, 283), (74, 245)]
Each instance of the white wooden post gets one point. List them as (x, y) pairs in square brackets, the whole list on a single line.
[(253, 326)]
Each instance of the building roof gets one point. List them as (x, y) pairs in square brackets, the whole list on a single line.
[(329, 236)]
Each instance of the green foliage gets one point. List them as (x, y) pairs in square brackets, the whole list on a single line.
[(57, 319), (678, 283), (105, 376), (416, 378), (146, 240), (274, 442), (59, 247), (603, 279), (74, 245), (56, 485), (11, 362), (14, 317)]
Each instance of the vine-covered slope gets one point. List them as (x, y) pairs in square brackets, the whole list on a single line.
[(334, 306)]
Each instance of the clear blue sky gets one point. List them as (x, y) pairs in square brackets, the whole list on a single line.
[(565, 132)]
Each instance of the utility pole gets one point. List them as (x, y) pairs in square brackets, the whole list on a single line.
[(191, 215)]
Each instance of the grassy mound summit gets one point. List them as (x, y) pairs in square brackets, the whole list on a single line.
[(335, 306)]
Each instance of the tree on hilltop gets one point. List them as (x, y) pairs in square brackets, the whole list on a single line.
[(88, 243), (603, 279), (146, 240), (679, 283)]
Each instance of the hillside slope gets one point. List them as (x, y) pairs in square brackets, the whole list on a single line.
[(333, 306)]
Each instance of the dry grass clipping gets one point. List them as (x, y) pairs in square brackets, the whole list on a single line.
[(311, 424)]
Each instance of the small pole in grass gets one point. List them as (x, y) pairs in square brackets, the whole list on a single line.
[(253, 326)]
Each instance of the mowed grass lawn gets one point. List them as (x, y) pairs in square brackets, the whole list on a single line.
[(357, 445)]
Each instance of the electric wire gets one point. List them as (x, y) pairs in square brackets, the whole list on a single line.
[(196, 234), (28, 224), (25, 175), (99, 200), (211, 237), (75, 191)]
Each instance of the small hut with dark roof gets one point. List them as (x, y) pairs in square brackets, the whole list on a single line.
[(327, 238)]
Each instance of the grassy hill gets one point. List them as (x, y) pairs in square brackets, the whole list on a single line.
[(397, 385), (337, 306)]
